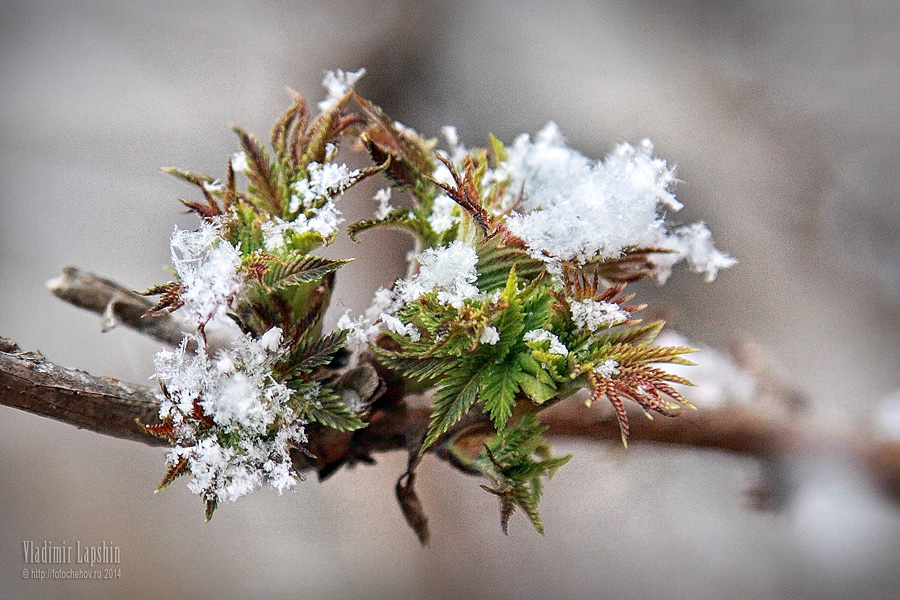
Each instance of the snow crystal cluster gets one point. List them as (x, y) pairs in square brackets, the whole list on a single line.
[(362, 331), (448, 269), (573, 209), (230, 394), (314, 194), (542, 335), (607, 368), (444, 213), (236, 392), (337, 84), (207, 266), (383, 198), (490, 336), (593, 315)]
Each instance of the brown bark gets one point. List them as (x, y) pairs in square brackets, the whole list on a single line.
[(31, 383)]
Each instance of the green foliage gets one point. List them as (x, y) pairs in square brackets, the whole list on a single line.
[(493, 361), (299, 269), (327, 409), (515, 461)]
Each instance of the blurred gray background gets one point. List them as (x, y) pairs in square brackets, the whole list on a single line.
[(783, 121)]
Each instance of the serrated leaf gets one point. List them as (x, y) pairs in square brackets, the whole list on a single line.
[(328, 410), (396, 219), (516, 460), (526, 500), (499, 393), (262, 175), (534, 379), (645, 353), (497, 254), (174, 471), (309, 355), (210, 504), (456, 396), (644, 333), (420, 370), (411, 160), (509, 322), (498, 148), (301, 269)]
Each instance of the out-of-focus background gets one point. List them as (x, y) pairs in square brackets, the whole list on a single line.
[(784, 123)]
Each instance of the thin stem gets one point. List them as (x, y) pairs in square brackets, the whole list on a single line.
[(116, 305)]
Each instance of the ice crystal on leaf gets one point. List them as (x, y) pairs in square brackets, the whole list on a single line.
[(568, 208), (607, 368), (383, 198), (224, 410), (239, 162), (581, 213), (694, 244), (337, 84), (207, 266), (449, 270), (592, 315), (490, 336), (542, 335)]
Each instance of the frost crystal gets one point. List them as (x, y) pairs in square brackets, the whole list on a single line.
[(694, 244), (442, 216), (337, 84), (325, 182), (315, 195), (490, 336), (584, 213), (607, 368), (394, 324), (542, 335), (592, 315), (573, 209), (450, 270), (207, 266), (362, 331), (239, 162), (214, 186), (537, 168), (383, 198), (238, 394)]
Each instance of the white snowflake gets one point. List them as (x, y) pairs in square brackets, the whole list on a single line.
[(338, 84), (383, 198), (490, 336), (572, 209), (607, 368), (542, 335), (444, 214), (394, 324), (207, 266), (450, 270), (239, 162), (694, 244), (592, 315), (238, 392)]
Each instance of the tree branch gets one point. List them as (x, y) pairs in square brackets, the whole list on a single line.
[(770, 433), (31, 383), (104, 405), (116, 305)]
